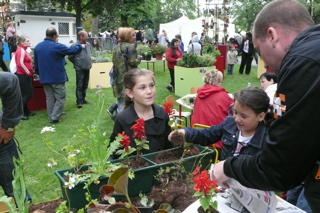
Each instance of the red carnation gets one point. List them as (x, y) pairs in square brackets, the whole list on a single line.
[(202, 181), (168, 107), (138, 129), (125, 142)]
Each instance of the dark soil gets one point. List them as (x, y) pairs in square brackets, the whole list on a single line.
[(178, 193), (175, 154), (177, 139), (135, 163), (47, 207)]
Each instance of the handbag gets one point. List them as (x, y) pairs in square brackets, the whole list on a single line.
[(13, 65)]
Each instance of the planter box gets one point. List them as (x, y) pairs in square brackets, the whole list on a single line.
[(185, 78), (142, 182), (143, 179), (206, 157), (99, 75)]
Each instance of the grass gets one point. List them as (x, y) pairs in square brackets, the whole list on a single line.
[(41, 182)]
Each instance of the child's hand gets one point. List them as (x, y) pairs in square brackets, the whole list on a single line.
[(181, 131)]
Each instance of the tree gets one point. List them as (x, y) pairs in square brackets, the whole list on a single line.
[(245, 11)]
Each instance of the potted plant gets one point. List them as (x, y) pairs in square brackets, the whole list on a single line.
[(158, 50), (146, 53), (190, 70)]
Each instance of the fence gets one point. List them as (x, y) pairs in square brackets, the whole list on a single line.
[(107, 43)]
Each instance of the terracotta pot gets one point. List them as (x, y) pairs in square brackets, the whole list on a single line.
[(159, 56)]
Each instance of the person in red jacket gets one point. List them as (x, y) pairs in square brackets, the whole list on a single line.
[(24, 73), (173, 54), (212, 102)]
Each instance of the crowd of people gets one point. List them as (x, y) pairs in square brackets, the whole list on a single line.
[(260, 130)]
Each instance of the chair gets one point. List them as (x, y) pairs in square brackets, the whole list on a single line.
[(202, 126), (184, 115), (194, 90)]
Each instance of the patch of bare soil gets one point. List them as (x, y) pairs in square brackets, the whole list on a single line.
[(175, 154), (47, 207)]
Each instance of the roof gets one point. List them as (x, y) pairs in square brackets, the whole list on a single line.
[(40, 13)]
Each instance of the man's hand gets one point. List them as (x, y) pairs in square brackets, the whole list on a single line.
[(5, 136), (218, 174)]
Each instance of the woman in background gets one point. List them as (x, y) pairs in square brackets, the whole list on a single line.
[(173, 55), (247, 51), (212, 103), (95, 44), (24, 73)]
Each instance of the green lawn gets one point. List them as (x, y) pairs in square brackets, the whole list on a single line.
[(41, 182)]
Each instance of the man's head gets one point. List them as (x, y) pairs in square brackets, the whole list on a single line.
[(193, 33), (82, 36), (275, 28), (52, 33)]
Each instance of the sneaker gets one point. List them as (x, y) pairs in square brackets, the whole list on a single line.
[(79, 106), (24, 117), (32, 113), (54, 121), (86, 102), (170, 88)]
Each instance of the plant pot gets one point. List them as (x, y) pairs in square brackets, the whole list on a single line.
[(147, 57), (143, 178), (146, 209), (76, 195), (189, 163), (142, 182), (159, 56)]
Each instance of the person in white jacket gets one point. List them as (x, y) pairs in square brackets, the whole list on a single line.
[(194, 47), (232, 58), (268, 81)]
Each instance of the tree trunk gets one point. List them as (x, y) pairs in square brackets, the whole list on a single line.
[(78, 15), (95, 25)]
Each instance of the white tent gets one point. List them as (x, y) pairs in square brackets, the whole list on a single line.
[(185, 27)]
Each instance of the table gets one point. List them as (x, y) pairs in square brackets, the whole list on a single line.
[(153, 61), (185, 102)]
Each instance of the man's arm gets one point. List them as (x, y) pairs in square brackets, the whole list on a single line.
[(11, 104)]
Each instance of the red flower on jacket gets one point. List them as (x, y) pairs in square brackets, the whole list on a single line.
[(202, 181), (168, 108), (138, 129), (125, 142)]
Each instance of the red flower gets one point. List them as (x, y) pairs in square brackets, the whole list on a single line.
[(202, 181), (168, 107), (138, 129), (125, 142)]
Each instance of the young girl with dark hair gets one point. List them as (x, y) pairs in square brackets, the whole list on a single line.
[(140, 92), (173, 54), (244, 132)]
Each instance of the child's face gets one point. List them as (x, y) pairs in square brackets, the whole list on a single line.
[(265, 83), (247, 120), (143, 93)]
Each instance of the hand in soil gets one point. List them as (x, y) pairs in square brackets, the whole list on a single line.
[(177, 138)]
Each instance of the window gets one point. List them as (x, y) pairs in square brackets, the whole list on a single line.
[(63, 28)]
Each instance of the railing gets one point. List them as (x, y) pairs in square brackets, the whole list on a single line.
[(107, 43)]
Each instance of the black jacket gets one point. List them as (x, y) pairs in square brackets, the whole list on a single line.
[(157, 129), (293, 145)]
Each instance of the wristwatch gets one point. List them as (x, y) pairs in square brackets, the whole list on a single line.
[(9, 129)]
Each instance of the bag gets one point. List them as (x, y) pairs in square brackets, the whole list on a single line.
[(13, 65)]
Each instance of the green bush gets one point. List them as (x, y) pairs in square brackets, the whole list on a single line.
[(192, 60)]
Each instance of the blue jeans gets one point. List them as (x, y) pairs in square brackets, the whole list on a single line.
[(230, 69), (296, 197), (7, 152)]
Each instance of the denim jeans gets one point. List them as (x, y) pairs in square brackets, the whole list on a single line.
[(230, 69), (296, 197)]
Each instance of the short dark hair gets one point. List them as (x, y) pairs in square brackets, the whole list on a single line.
[(51, 31), (269, 76)]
